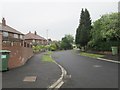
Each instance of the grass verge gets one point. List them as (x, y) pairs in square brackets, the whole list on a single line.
[(91, 55), (49, 52), (47, 57)]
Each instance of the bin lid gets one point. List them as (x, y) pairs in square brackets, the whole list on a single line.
[(4, 51)]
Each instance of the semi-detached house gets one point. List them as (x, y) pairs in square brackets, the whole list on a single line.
[(35, 39), (13, 40)]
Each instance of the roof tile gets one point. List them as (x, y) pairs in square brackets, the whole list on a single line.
[(9, 29)]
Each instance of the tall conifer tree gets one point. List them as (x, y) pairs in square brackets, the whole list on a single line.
[(83, 30), (77, 39)]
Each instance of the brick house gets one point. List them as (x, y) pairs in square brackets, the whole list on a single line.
[(35, 39), (13, 40), (9, 34)]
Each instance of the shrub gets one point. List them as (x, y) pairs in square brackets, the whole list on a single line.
[(102, 46), (38, 48), (53, 47)]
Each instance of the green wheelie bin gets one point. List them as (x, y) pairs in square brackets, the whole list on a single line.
[(4, 56), (114, 50)]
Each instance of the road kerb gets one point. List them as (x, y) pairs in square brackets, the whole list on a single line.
[(108, 60), (60, 81)]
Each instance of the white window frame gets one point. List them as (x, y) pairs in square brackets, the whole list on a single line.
[(16, 36), (21, 36)]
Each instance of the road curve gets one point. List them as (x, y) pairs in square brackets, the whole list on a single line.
[(87, 72)]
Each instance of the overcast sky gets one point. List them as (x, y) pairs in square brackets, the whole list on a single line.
[(57, 16)]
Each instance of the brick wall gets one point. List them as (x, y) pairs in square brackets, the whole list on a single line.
[(19, 55)]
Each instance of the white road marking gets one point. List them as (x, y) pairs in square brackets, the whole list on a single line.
[(59, 82), (59, 85)]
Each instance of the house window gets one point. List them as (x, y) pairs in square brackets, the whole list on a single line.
[(21, 36), (15, 35), (5, 34)]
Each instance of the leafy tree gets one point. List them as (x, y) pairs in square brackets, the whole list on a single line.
[(58, 45), (53, 47), (106, 29), (66, 42)]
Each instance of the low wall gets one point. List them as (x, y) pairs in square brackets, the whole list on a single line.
[(18, 56)]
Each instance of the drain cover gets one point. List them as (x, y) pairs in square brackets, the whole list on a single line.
[(30, 79)]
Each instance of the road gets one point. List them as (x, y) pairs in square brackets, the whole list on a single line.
[(87, 72)]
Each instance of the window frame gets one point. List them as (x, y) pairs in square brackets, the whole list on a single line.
[(5, 34), (21, 36), (16, 36)]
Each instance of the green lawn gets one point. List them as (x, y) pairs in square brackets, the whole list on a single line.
[(47, 57), (91, 55)]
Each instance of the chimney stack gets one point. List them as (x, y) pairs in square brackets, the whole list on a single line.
[(3, 22), (35, 33)]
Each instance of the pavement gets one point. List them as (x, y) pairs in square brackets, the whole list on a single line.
[(87, 72), (112, 57), (42, 74)]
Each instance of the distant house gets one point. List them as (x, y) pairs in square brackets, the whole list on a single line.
[(35, 39), (13, 40)]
